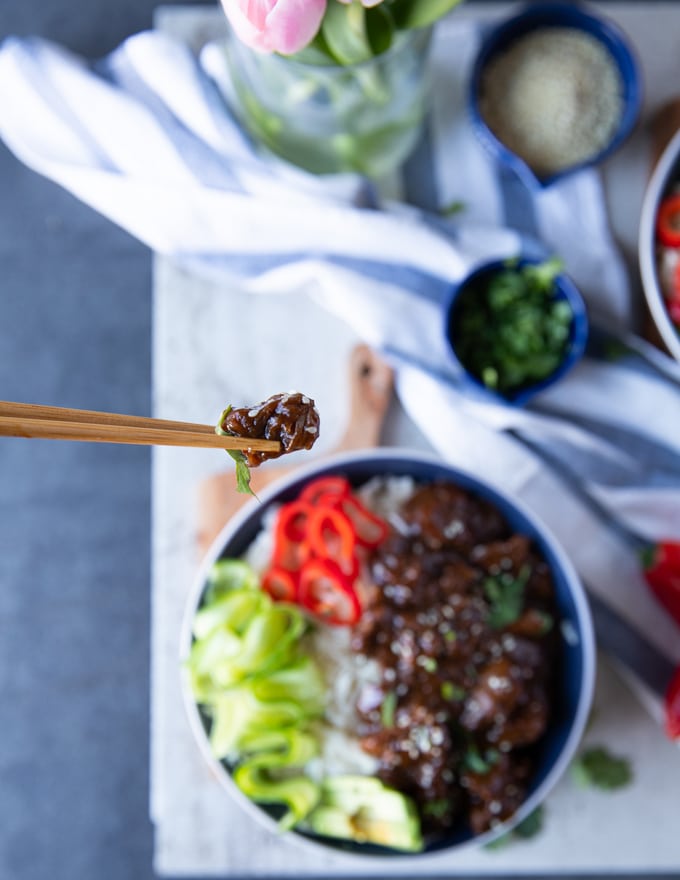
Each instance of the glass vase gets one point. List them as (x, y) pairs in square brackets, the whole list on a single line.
[(328, 118)]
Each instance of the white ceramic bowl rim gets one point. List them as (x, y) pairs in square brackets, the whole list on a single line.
[(587, 682), (656, 188)]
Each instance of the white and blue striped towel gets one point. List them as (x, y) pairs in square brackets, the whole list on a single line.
[(145, 137)]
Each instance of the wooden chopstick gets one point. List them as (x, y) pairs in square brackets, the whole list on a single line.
[(94, 417), (61, 423)]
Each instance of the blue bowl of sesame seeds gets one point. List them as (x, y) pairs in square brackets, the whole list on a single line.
[(554, 89), (572, 664)]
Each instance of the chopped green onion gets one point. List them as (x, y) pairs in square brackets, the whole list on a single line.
[(511, 331), (388, 709)]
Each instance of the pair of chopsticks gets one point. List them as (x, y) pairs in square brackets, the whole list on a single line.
[(61, 423)]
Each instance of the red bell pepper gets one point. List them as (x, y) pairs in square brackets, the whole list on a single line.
[(661, 569), (290, 546), (280, 584), (318, 542), (330, 535), (668, 221), (672, 707), (673, 307), (369, 529), (327, 593), (325, 489)]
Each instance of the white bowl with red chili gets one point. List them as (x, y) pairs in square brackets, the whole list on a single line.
[(659, 246), (387, 656)]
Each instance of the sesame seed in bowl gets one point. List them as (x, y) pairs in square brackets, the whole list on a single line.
[(554, 89)]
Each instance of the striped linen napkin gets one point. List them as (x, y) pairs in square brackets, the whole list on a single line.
[(146, 138)]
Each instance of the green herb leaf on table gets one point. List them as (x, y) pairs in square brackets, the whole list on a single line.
[(531, 825), (599, 768), (453, 208), (525, 830), (506, 597)]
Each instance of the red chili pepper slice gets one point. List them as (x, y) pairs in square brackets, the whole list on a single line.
[(280, 585), (662, 572), (675, 293), (674, 310), (331, 535), (323, 489), (369, 529), (290, 533), (672, 706), (668, 221), (327, 593), (664, 581), (667, 554), (292, 520)]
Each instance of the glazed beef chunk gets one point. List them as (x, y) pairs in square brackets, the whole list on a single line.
[(292, 419), (460, 615)]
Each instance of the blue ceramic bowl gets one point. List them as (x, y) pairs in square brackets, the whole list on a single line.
[(664, 180), (546, 15), (576, 665), (565, 290)]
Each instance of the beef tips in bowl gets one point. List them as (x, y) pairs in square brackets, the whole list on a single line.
[(387, 656)]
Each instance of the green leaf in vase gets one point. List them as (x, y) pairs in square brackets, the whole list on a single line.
[(379, 28), (344, 31), (409, 14), (316, 53)]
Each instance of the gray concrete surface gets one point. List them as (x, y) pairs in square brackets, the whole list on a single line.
[(74, 518)]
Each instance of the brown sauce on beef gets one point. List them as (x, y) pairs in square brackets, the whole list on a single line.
[(292, 419), (464, 692)]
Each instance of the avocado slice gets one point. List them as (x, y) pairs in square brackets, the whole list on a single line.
[(361, 808)]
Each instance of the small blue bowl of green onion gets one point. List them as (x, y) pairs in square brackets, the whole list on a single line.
[(516, 327)]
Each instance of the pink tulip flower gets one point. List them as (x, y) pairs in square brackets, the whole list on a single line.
[(366, 3), (283, 26)]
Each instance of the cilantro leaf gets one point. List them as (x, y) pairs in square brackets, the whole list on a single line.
[(242, 472), (599, 768), (477, 763), (500, 842), (506, 597), (531, 824), (525, 830), (437, 808), (242, 469), (452, 208), (543, 275)]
